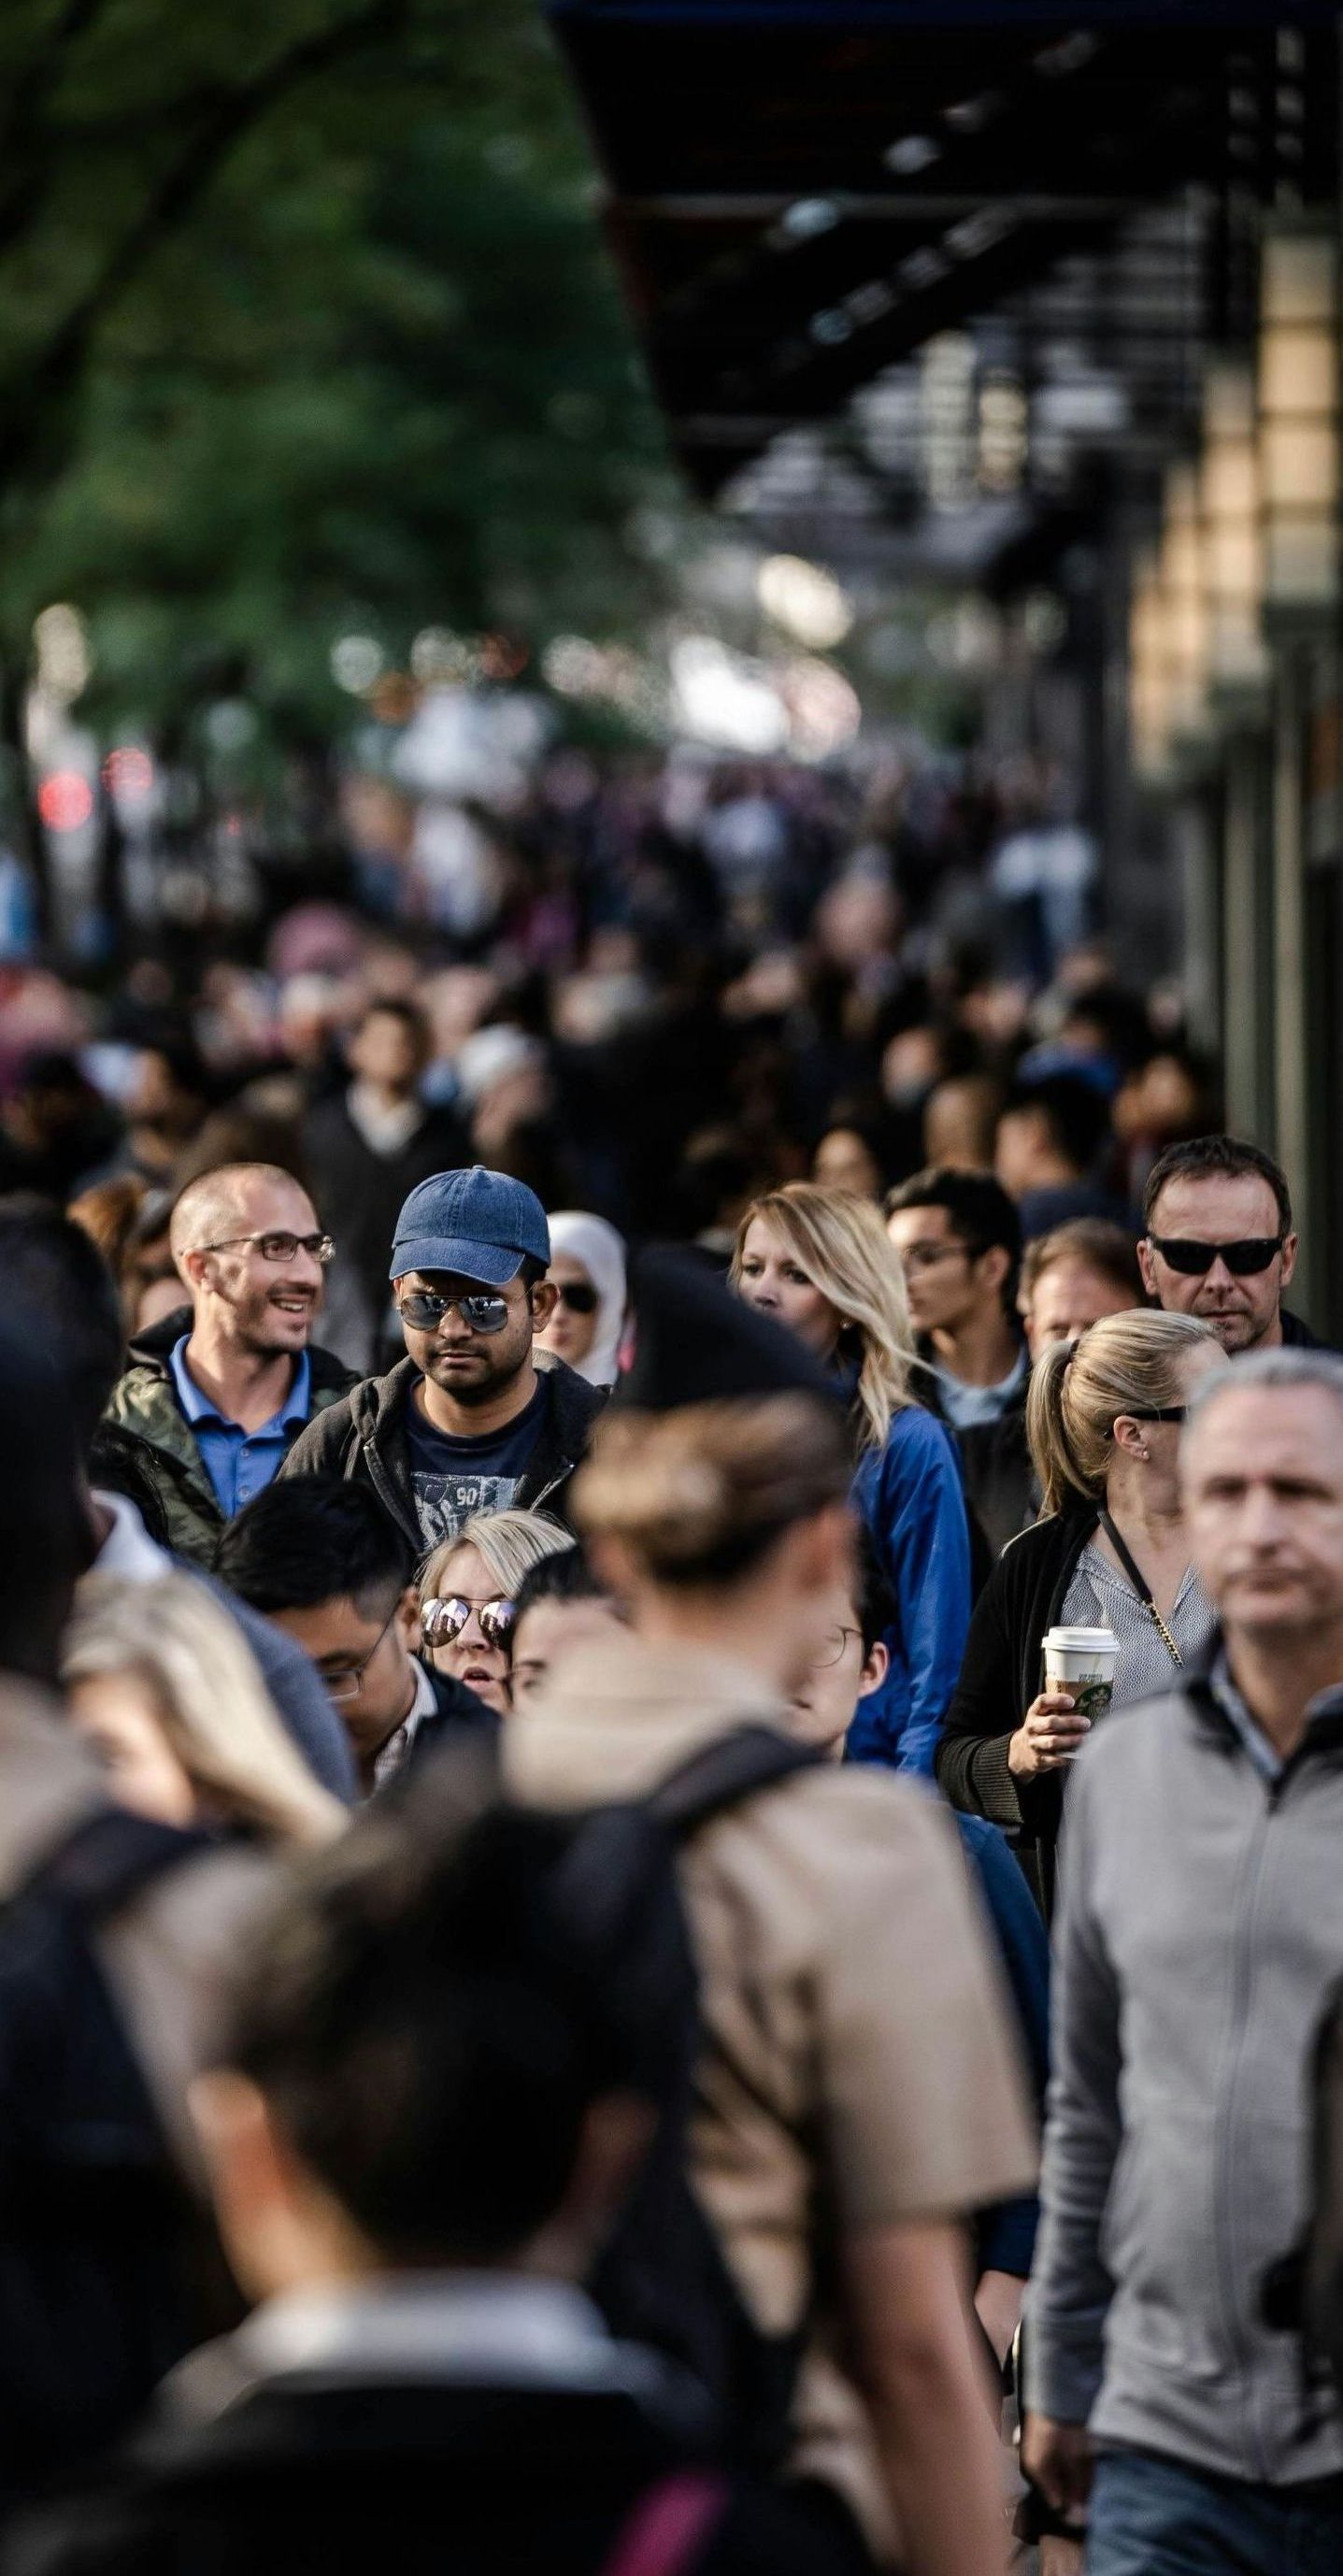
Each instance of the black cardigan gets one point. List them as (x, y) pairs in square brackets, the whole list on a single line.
[(1000, 1676)]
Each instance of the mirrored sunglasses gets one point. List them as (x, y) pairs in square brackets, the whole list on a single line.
[(1250, 1253), (481, 1313), (443, 1620)]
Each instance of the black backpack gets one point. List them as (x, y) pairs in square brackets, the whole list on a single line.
[(663, 2279), (97, 2233)]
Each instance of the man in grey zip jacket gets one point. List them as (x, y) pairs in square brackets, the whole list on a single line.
[(1199, 1934)]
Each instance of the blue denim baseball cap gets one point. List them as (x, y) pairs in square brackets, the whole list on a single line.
[(480, 1224)]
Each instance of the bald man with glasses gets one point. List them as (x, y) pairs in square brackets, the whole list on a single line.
[(216, 1395)]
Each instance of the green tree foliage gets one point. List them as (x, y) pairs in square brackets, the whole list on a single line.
[(305, 322)]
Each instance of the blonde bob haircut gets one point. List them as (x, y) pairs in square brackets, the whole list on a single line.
[(508, 1544), (841, 1243), (209, 1698), (1132, 1362), (699, 1496)]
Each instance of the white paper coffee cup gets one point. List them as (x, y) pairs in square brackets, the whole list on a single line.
[(1082, 1661)]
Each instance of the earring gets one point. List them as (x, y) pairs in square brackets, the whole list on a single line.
[(1144, 1454)]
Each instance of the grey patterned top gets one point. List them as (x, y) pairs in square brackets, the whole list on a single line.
[(1099, 1596)]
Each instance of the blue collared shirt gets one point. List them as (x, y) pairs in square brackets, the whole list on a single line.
[(238, 1463)]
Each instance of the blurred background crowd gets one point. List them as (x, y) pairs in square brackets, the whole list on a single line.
[(652, 987)]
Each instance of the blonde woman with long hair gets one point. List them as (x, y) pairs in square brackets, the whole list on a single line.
[(1103, 1417), (167, 1690), (468, 1597), (820, 1262)]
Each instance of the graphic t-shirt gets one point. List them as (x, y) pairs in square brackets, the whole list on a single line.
[(455, 1478)]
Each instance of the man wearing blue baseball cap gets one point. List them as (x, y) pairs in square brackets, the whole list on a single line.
[(468, 1422)]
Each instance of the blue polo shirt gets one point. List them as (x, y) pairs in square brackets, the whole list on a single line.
[(238, 1463)]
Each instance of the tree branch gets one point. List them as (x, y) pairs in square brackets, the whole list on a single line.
[(54, 373), (25, 130)]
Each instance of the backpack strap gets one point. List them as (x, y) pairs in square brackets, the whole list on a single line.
[(107, 1858), (669, 2525), (721, 1774)]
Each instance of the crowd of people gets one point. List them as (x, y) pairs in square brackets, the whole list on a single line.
[(534, 1810)]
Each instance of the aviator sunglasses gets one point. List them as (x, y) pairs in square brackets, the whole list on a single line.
[(1194, 1260), (443, 1620), (424, 1311)]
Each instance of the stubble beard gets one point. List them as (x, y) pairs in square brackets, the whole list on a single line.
[(472, 1391)]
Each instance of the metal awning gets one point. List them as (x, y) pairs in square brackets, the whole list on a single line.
[(803, 194)]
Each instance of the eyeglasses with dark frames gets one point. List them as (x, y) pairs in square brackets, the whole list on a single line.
[(1154, 1413), (926, 1256), (347, 1680), (1249, 1254), (481, 1312), (276, 1246), (832, 1652)]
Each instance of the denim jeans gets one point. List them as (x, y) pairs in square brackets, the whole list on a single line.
[(1155, 2517)]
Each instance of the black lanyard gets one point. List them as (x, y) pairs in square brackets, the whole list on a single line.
[(1143, 1589)]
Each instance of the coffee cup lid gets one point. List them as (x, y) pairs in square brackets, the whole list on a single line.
[(1080, 1641)]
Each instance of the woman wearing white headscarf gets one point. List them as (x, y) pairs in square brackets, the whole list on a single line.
[(587, 1265)]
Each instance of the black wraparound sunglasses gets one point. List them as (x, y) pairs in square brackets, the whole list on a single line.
[(578, 1295), (1155, 1413), (1243, 1258)]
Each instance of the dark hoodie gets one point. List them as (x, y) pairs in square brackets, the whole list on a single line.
[(364, 1435)]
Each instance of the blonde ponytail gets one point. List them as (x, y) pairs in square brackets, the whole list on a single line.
[(1126, 1363)]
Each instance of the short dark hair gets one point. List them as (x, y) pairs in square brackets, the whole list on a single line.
[(186, 1066), (981, 1213), (565, 1576), (432, 2010), (1098, 1242), (308, 1539), (58, 1284), (873, 1598), (1076, 1111), (1231, 1158)]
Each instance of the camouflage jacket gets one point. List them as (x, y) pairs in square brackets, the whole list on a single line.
[(146, 1448)]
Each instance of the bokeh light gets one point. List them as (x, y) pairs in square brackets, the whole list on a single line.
[(65, 801), (805, 600)]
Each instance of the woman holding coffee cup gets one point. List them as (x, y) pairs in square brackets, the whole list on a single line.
[(1097, 1604)]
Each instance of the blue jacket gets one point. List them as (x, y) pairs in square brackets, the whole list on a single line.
[(910, 1496), (1005, 2234)]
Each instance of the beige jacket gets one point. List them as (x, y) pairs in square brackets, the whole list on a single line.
[(168, 1953), (861, 2065)]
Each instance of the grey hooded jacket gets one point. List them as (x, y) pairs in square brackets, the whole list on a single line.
[(1199, 1933)]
